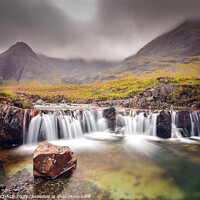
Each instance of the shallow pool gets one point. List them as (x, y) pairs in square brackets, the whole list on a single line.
[(130, 167)]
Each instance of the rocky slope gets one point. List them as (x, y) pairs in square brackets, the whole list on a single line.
[(166, 96), (176, 54)]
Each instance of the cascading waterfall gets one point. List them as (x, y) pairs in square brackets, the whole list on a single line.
[(142, 123), (175, 131), (73, 124), (195, 124), (58, 125)]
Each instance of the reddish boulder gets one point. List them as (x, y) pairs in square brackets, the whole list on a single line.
[(50, 161)]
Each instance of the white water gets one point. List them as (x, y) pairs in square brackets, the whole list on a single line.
[(175, 131), (58, 125), (195, 124), (141, 123)]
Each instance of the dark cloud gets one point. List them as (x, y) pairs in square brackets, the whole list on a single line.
[(118, 28)]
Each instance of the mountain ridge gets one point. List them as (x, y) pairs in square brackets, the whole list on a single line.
[(21, 65), (175, 53), (170, 53)]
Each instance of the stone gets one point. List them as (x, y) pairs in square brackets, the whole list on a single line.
[(50, 161), (11, 126), (166, 90), (184, 122), (164, 124), (164, 80), (147, 93), (39, 102), (155, 92), (110, 115), (18, 104)]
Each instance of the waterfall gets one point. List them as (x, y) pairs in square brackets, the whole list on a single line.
[(195, 124), (61, 125), (175, 131), (74, 124), (24, 125), (142, 123)]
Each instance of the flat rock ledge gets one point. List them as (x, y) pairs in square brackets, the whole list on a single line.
[(50, 161)]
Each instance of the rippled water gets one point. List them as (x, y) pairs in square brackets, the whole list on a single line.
[(109, 167)]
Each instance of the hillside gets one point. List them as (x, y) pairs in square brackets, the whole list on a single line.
[(78, 71), (20, 65), (175, 53)]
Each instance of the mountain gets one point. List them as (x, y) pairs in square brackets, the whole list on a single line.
[(20, 65), (175, 53), (78, 70)]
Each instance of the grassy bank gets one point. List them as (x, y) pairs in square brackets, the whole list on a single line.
[(113, 90)]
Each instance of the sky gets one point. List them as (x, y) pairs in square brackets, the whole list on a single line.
[(90, 29)]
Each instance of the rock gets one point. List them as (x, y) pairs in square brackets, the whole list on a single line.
[(164, 124), (164, 80), (18, 104), (110, 115), (184, 122), (166, 90), (2, 188), (50, 161), (28, 100), (11, 126), (40, 102), (147, 93), (155, 92)]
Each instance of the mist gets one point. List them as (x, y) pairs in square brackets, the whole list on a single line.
[(90, 29)]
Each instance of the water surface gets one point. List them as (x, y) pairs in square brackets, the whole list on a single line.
[(133, 167)]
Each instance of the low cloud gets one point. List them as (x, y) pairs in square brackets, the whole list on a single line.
[(116, 29)]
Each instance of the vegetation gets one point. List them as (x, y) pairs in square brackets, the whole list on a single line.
[(113, 90), (11, 97)]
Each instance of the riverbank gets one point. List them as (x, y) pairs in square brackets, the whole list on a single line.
[(160, 93)]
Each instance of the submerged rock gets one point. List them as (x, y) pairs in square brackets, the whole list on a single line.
[(50, 161)]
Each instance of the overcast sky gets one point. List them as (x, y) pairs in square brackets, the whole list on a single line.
[(91, 29)]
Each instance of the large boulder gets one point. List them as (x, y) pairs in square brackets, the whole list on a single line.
[(110, 115), (164, 124), (50, 161)]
